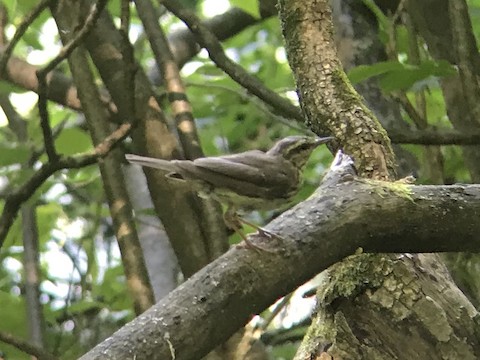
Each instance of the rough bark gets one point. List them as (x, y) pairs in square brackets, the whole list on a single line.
[(392, 307), (357, 43), (328, 100)]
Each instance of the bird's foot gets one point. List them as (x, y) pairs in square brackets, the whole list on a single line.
[(235, 222), (267, 233), (261, 232), (252, 246)]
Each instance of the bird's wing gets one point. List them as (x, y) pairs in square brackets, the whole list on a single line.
[(247, 173), (234, 166)]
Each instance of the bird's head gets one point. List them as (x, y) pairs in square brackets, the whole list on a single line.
[(297, 149)]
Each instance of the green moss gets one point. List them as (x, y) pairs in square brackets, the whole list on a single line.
[(383, 188), (351, 277)]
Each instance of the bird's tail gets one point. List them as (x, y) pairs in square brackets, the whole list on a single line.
[(164, 165)]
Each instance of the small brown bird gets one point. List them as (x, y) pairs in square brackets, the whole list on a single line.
[(251, 180)]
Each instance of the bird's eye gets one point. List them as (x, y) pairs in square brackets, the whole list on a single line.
[(304, 147)]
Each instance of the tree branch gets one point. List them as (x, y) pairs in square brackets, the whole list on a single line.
[(84, 30), (230, 23), (330, 103), (211, 212), (207, 39), (26, 347), (343, 217), (42, 77), (152, 138), (182, 109), (18, 196), (21, 28), (434, 137)]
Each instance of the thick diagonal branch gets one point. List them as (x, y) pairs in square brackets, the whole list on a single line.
[(338, 220)]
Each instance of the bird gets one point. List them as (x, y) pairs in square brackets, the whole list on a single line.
[(247, 181)]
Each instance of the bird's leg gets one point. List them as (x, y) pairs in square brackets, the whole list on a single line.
[(235, 222), (260, 230)]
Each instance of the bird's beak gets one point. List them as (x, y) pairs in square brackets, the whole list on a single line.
[(323, 140)]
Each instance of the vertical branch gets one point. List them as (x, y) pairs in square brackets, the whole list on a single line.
[(172, 80), (42, 77), (433, 20), (110, 169), (31, 265), (154, 138), (211, 212), (128, 57), (44, 116), (328, 100), (466, 50), (207, 39), (32, 274)]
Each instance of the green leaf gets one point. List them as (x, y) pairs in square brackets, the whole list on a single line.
[(32, 39), (363, 72), (113, 291), (72, 141), (13, 321), (397, 76), (83, 306), (13, 153), (8, 88), (210, 70), (410, 76), (25, 6), (249, 6), (146, 212), (402, 39), (14, 236), (47, 217)]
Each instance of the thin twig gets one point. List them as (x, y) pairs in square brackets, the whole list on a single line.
[(42, 73), (15, 198), (286, 335), (206, 38), (434, 137), (26, 347), (36, 153), (66, 50), (224, 26), (280, 306), (31, 266), (44, 118), (3, 25), (417, 118), (21, 28)]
